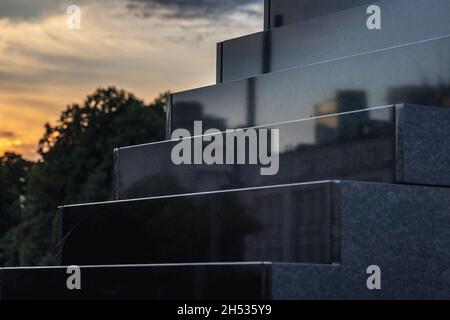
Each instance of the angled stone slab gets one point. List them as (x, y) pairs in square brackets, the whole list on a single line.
[(330, 37), (149, 282), (289, 223), (413, 73), (395, 144)]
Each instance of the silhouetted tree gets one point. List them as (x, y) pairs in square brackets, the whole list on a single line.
[(13, 179), (77, 166), (13, 173)]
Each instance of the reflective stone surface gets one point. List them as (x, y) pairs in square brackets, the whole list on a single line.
[(282, 12), (416, 73), (357, 146), (153, 282), (388, 144), (339, 35), (286, 223), (404, 228)]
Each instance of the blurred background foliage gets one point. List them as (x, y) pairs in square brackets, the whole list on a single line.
[(76, 166)]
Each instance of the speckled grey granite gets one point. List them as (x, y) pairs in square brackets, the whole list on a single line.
[(423, 148), (403, 229)]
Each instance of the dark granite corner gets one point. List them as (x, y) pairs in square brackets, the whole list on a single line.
[(405, 230), (423, 148)]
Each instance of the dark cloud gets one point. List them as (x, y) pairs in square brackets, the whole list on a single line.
[(189, 8), (35, 9), (26, 9), (7, 134)]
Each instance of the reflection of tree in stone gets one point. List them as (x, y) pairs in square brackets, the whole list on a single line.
[(200, 228), (232, 221), (77, 166), (154, 185), (194, 111)]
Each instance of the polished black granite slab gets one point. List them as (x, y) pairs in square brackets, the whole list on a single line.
[(388, 144), (282, 12), (289, 223), (416, 73), (359, 145), (329, 37), (149, 282)]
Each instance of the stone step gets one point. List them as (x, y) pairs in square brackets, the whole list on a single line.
[(281, 12), (404, 230), (289, 223), (330, 37), (389, 144), (295, 223), (415, 73), (152, 282)]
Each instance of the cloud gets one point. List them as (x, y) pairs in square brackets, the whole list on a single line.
[(29, 10), (20, 10), (44, 66), (26, 9), (192, 9), (7, 134)]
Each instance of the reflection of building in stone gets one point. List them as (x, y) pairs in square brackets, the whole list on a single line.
[(347, 146), (332, 128), (302, 215), (429, 95), (156, 174), (370, 159), (359, 148), (345, 100)]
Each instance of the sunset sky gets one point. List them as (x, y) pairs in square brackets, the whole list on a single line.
[(142, 46)]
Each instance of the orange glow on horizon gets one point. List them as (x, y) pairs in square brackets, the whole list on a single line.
[(44, 66)]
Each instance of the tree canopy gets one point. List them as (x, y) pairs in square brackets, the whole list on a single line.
[(76, 166)]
